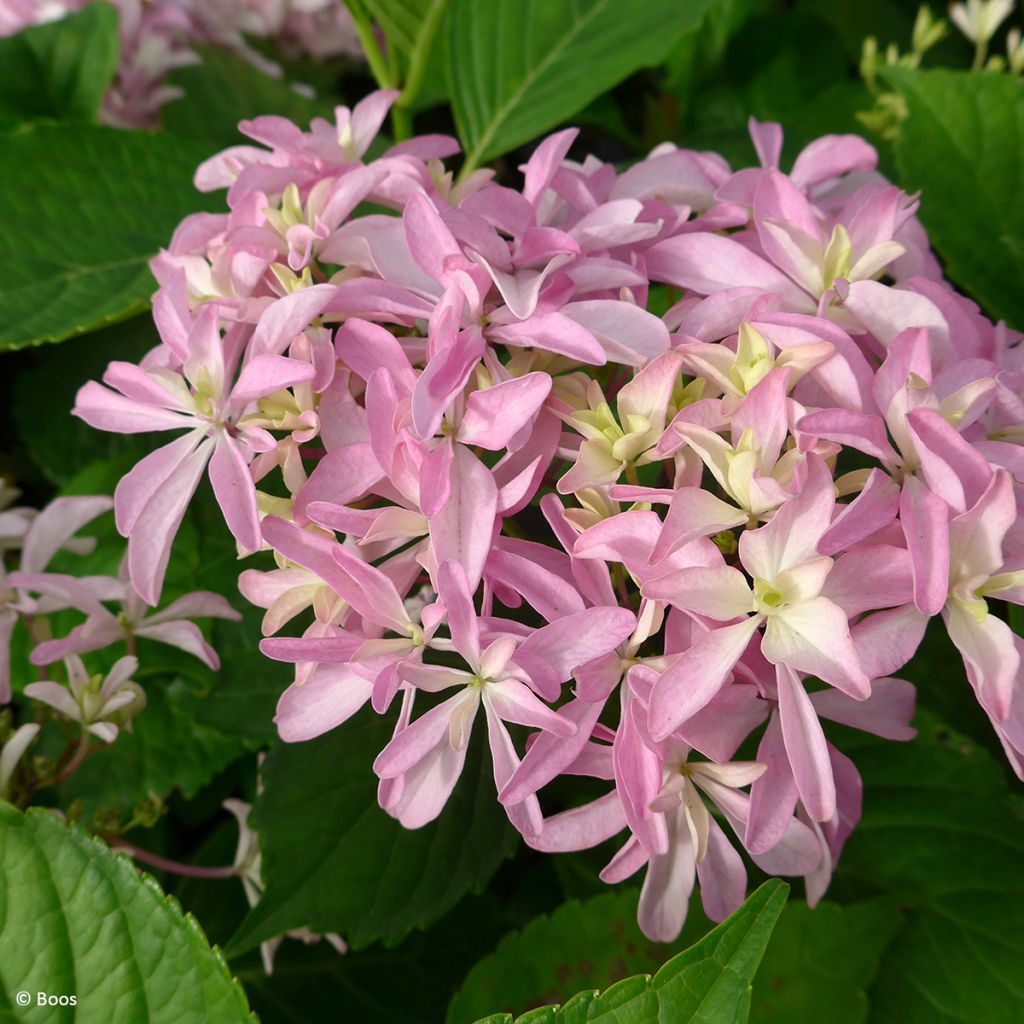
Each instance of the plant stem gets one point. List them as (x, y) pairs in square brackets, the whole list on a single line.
[(980, 53), (401, 113), (173, 867), (76, 760), (368, 40)]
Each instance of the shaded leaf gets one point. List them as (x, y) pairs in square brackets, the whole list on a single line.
[(518, 68), (61, 69), (87, 208), (827, 956), (962, 145), (708, 983), (224, 89), (944, 832), (335, 862)]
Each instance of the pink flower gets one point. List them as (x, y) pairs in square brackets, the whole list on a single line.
[(208, 402)]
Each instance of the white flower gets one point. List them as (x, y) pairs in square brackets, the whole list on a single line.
[(979, 19), (101, 704)]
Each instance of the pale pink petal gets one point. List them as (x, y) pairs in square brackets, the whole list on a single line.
[(454, 591), (525, 816), (463, 530), (773, 796), (147, 476), (814, 637), (107, 410), (549, 754), (886, 713), (493, 416), (581, 828), (694, 513), (665, 895), (330, 696), (925, 520), (265, 374), (722, 876), (186, 636), (721, 593), (579, 638), (152, 534), (284, 319), (414, 743), (235, 491), (627, 333), (55, 525), (512, 701), (697, 675), (806, 747), (711, 263), (990, 655)]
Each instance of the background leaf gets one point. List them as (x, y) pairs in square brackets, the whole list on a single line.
[(520, 67), (224, 89), (78, 920), (943, 832), (334, 861), (60, 70), (581, 945), (86, 209), (827, 956), (708, 983), (963, 147), (58, 444)]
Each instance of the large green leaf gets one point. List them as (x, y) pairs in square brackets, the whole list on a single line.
[(334, 861), (944, 833), (827, 956), (85, 209), (591, 944), (60, 70), (520, 67), (76, 920), (222, 90), (709, 983), (962, 145)]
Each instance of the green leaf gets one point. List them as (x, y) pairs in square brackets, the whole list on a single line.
[(403, 20), (335, 862), (224, 89), (518, 68), (167, 749), (62, 69), (709, 983), (827, 956), (76, 920), (59, 444), (86, 209), (962, 145), (943, 831), (591, 944)]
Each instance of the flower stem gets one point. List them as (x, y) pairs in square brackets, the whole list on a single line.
[(173, 867), (76, 760)]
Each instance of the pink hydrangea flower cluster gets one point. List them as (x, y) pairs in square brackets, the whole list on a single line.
[(498, 486), (158, 36)]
